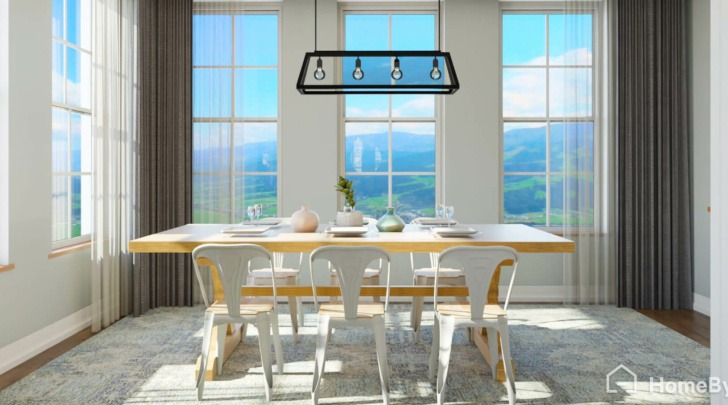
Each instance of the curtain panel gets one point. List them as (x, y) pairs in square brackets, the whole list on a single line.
[(165, 149), (114, 154), (654, 156)]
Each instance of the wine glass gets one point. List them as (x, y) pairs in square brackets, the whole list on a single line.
[(258, 210), (449, 212), (251, 213), (440, 211)]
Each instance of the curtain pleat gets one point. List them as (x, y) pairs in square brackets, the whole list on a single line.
[(165, 149), (114, 153), (654, 151)]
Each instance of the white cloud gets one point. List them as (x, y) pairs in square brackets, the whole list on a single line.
[(524, 90)]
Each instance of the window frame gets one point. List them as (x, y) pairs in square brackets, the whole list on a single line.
[(71, 109), (596, 117), (205, 8), (348, 8)]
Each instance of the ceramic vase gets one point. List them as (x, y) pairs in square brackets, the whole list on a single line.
[(304, 220), (390, 222), (349, 217)]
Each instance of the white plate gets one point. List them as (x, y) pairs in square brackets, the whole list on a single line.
[(436, 221), (246, 229), (346, 230), (455, 231), (264, 221)]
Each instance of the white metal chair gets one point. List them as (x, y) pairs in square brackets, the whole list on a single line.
[(426, 276), (371, 275), (284, 276), (478, 264), (232, 265), (351, 264)]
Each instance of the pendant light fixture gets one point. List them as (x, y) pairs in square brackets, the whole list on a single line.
[(427, 71)]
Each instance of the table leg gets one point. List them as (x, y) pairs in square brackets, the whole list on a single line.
[(480, 335)]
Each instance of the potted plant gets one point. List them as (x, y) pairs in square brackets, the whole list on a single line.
[(349, 217)]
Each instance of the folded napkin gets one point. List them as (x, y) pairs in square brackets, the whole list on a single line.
[(436, 221)]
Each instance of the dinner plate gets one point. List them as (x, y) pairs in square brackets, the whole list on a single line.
[(346, 230), (264, 221), (246, 229), (455, 231), (436, 221)]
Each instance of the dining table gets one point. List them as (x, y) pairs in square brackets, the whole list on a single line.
[(415, 238)]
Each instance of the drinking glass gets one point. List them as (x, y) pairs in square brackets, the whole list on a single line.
[(251, 213), (440, 211), (258, 210), (449, 212)]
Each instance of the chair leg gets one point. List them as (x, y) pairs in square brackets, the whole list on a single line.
[(277, 342), (493, 346), (418, 304), (293, 306), (334, 281), (320, 361), (447, 328), (221, 335), (206, 338), (263, 325), (380, 340), (434, 350), (374, 280), (506, 349), (299, 304)]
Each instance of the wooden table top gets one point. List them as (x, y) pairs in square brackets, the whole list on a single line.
[(414, 238)]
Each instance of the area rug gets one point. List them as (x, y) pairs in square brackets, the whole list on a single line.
[(562, 354)]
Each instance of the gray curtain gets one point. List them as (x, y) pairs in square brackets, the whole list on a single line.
[(165, 149), (654, 148)]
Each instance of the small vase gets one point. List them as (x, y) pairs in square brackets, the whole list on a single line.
[(390, 222), (349, 217), (304, 220)]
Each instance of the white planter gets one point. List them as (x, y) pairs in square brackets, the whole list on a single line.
[(351, 218)]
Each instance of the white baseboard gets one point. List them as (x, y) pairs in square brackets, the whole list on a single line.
[(701, 304), (26, 348)]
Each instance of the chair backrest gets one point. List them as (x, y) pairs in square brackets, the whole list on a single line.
[(433, 255), (350, 262), (278, 260), (479, 263), (232, 263)]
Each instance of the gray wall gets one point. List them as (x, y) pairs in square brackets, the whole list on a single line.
[(699, 80), (39, 291)]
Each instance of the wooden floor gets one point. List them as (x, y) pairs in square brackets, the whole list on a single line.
[(692, 324), (687, 322)]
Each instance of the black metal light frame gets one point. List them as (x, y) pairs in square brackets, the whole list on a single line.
[(447, 87)]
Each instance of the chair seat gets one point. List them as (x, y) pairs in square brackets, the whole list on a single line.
[(367, 273), (280, 273), (444, 272), (365, 310), (461, 309), (247, 307)]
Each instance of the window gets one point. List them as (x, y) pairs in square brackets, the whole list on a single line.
[(391, 141), (235, 113), (542, 116), (71, 121)]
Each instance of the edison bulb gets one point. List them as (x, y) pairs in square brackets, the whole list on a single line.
[(358, 73), (319, 73), (435, 73), (397, 72)]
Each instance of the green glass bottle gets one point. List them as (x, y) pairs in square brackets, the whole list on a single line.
[(390, 222)]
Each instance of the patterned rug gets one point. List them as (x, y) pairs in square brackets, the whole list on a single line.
[(562, 355)]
